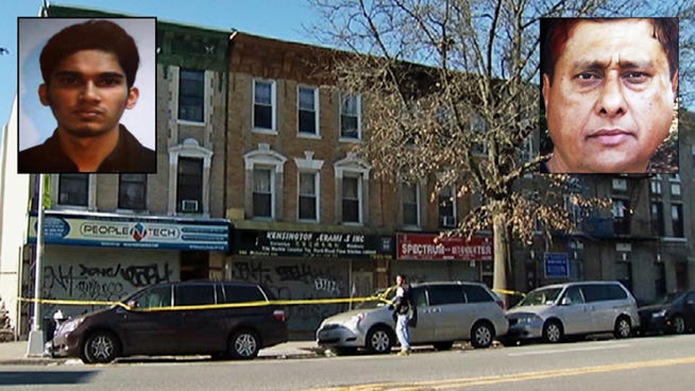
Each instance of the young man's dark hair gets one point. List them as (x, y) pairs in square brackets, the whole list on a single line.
[(93, 34)]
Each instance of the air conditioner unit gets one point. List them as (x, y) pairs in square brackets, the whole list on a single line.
[(189, 205), (448, 221)]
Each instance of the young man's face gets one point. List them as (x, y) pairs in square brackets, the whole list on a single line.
[(88, 93), (610, 103)]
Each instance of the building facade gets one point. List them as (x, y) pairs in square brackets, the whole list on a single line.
[(106, 235)]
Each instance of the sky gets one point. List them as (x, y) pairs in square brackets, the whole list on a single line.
[(282, 19)]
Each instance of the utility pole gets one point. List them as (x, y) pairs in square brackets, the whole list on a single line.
[(36, 342)]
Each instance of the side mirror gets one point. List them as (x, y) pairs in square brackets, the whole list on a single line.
[(132, 304), (566, 301)]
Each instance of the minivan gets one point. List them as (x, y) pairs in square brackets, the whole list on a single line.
[(553, 312), (446, 312), (179, 318)]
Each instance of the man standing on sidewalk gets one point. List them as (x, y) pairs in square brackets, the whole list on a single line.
[(403, 304)]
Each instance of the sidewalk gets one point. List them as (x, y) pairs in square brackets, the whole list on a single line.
[(15, 353)]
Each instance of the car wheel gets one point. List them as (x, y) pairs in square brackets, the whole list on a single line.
[(482, 335), (100, 347), (552, 331), (379, 340), (679, 326), (623, 327), (244, 345)]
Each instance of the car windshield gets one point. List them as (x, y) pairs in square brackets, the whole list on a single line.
[(544, 296), (387, 294), (669, 298)]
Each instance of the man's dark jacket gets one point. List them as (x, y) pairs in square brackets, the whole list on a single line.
[(129, 156)]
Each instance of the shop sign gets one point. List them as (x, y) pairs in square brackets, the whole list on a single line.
[(133, 232), (557, 265), (433, 247), (311, 244)]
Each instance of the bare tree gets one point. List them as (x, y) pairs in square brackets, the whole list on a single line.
[(451, 94)]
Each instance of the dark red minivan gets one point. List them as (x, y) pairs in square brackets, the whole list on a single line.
[(152, 329)]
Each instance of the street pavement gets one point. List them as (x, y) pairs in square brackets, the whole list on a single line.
[(15, 353)]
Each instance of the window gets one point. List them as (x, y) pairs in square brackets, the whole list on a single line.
[(262, 192), (476, 294), (447, 213), (191, 95), (308, 200), (445, 294), (264, 104), (189, 185), (411, 205), (73, 189), (307, 115), (132, 191), (675, 188), (575, 295), (350, 117), (656, 186), (155, 297), (621, 217), (351, 199), (657, 218), (242, 294), (677, 220), (199, 294)]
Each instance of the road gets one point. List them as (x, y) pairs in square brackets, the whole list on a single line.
[(654, 363)]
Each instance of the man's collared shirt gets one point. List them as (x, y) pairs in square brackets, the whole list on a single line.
[(129, 156)]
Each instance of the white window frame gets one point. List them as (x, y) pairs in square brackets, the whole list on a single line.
[(317, 107), (353, 166), (360, 199), (317, 196), (273, 107), (271, 171), (263, 157), (91, 194), (358, 103), (175, 86), (191, 149)]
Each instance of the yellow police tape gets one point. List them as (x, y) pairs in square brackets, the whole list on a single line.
[(381, 297)]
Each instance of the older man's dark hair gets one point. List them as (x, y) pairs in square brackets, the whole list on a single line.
[(91, 35)]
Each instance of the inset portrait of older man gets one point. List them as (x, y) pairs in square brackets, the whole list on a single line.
[(89, 71), (609, 90)]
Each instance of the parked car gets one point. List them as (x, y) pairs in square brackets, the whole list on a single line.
[(674, 313), (446, 312), (553, 312), (155, 326)]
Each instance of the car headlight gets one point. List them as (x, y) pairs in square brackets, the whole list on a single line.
[(527, 319), (70, 325), (659, 314)]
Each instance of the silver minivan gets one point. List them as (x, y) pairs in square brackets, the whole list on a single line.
[(575, 308), (446, 312)]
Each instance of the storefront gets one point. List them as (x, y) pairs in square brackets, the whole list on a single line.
[(104, 257), (429, 257), (310, 265)]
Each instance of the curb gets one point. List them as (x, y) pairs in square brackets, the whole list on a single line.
[(47, 361)]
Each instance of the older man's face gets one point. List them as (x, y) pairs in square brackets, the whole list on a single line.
[(610, 103)]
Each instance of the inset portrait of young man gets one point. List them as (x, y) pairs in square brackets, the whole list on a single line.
[(88, 70), (609, 90)]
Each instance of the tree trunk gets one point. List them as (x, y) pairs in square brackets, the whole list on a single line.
[(500, 247)]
